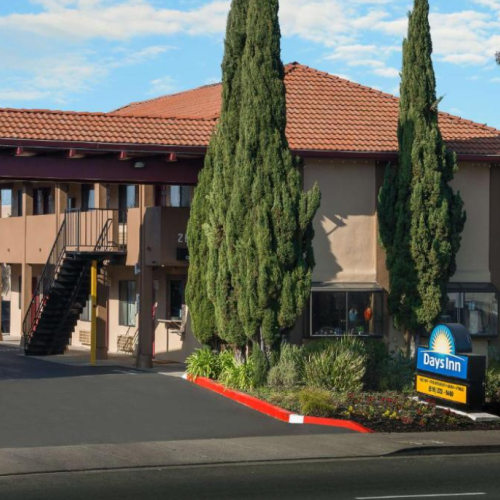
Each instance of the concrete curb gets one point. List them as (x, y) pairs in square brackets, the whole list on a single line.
[(445, 450), (274, 411)]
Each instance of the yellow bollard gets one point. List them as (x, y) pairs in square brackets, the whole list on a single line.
[(93, 312)]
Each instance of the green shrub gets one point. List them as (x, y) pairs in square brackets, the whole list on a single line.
[(396, 373), (203, 363), (287, 372), (260, 366), (316, 402), (340, 366), (493, 385), (377, 354), (494, 358), (238, 375)]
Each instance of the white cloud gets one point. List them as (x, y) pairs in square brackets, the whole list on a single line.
[(89, 19), (387, 72), (162, 86)]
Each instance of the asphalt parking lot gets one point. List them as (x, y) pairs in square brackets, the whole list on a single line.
[(51, 404)]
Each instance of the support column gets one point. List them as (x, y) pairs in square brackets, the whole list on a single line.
[(145, 351), (26, 269), (1, 297), (102, 316)]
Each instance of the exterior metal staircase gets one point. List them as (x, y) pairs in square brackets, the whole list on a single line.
[(63, 288)]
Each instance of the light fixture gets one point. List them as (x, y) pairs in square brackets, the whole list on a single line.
[(139, 164)]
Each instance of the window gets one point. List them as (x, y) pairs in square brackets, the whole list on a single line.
[(6, 203), (173, 196), (175, 298), (127, 198), (19, 202), (86, 316), (346, 312), (473, 305), (127, 303), (88, 197), (42, 201), (20, 288)]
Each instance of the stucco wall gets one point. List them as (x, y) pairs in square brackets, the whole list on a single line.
[(345, 225), (473, 182)]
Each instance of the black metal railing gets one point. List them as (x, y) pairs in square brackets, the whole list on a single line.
[(93, 230)]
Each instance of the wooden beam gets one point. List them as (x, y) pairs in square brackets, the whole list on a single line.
[(124, 156), (75, 154), (98, 169), (24, 152)]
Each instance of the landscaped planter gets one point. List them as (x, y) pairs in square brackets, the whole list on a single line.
[(274, 411), (362, 425)]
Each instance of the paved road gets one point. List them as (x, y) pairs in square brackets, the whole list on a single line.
[(460, 477), (50, 404)]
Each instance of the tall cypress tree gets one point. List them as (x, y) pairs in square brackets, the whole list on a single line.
[(420, 217), (269, 225), (209, 292)]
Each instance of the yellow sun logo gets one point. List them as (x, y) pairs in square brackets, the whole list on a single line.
[(442, 341)]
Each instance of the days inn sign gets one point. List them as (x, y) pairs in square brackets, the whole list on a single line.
[(448, 371), (441, 358)]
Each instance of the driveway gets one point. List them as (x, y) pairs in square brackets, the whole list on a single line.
[(51, 404)]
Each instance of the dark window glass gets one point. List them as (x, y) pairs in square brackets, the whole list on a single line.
[(176, 295), (476, 310), (19, 202), (127, 198), (329, 313), (173, 196), (20, 288), (88, 197), (340, 313), (42, 201), (481, 313), (127, 303)]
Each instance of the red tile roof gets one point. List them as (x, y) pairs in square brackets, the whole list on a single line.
[(64, 126), (325, 113)]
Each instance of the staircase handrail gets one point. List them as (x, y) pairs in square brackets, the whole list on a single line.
[(54, 260), (56, 256)]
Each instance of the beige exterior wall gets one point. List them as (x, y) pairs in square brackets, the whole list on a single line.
[(345, 225), (41, 231), (12, 240), (473, 260)]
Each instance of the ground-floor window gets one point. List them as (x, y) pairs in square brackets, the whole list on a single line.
[(175, 297), (85, 316), (474, 305), (345, 312), (127, 303)]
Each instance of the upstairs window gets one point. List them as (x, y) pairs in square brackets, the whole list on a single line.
[(43, 203), (173, 196), (88, 197)]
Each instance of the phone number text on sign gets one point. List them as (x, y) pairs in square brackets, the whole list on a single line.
[(443, 390)]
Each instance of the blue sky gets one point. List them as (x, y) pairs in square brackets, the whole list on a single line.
[(97, 55)]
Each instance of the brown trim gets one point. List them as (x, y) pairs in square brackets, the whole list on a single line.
[(201, 149), (99, 170), (101, 146)]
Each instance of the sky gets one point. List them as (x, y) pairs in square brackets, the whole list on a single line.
[(98, 55)]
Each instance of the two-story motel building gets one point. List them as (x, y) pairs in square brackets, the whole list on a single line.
[(117, 188)]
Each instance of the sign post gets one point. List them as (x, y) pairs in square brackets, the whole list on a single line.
[(447, 371)]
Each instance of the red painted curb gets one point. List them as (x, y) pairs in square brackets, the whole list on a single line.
[(332, 422), (244, 399), (274, 411)]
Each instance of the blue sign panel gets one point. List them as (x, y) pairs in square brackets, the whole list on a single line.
[(447, 365)]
